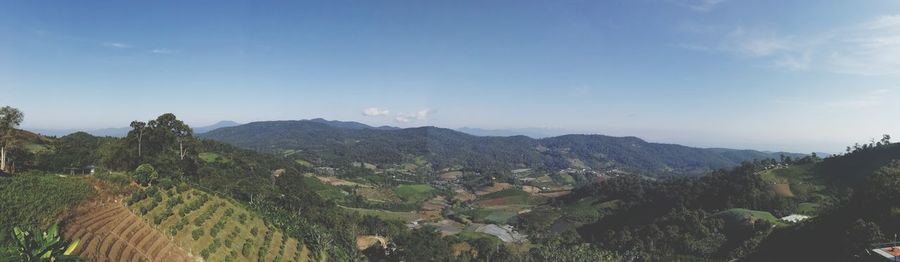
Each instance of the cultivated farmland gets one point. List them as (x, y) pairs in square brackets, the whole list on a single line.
[(110, 232), (214, 228)]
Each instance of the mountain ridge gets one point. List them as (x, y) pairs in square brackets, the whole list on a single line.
[(120, 131), (332, 143)]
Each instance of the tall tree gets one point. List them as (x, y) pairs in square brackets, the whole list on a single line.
[(10, 118), (182, 133), (139, 127)]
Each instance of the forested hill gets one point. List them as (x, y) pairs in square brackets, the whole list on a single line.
[(337, 143)]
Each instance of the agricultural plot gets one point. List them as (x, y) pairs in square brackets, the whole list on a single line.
[(783, 190), (497, 187), (799, 182), (325, 191), (588, 209), (496, 216), (37, 200), (509, 197), (378, 194), (386, 215), (334, 181), (110, 232), (304, 163), (215, 228), (501, 206), (792, 174), (414, 193), (463, 195), (364, 242), (210, 157), (451, 175), (740, 215)]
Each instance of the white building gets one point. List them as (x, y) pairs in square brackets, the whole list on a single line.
[(794, 218)]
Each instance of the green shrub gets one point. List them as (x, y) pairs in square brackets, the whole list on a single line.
[(214, 231), (166, 183), (163, 216), (182, 187), (214, 246), (207, 214), (172, 202), (247, 248), (180, 225), (267, 240), (197, 233), (145, 174)]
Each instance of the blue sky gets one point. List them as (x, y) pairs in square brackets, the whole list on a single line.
[(771, 75)]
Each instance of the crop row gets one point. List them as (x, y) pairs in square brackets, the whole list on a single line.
[(207, 214), (196, 204), (264, 248)]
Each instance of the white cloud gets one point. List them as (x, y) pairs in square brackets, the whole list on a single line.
[(402, 119), (756, 43), (866, 48), (699, 5), (162, 51), (872, 99), (883, 22), (795, 62), (374, 111), (116, 45), (421, 115)]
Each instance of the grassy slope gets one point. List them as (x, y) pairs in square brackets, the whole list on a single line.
[(414, 193), (737, 215), (210, 157), (803, 182), (386, 215), (33, 143), (499, 207), (588, 209), (33, 200), (790, 175)]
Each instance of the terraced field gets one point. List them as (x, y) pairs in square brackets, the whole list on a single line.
[(216, 229), (108, 231)]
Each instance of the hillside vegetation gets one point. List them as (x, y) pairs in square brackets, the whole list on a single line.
[(215, 228), (36, 201), (327, 143), (428, 194)]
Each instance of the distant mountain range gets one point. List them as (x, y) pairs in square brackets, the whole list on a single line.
[(220, 124), (121, 131), (350, 124), (337, 143), (529, 132)]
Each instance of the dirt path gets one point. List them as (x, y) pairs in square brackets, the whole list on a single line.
[(108, 231)]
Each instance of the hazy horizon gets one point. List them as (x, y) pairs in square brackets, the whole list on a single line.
[(534, 132), (765, 75)]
